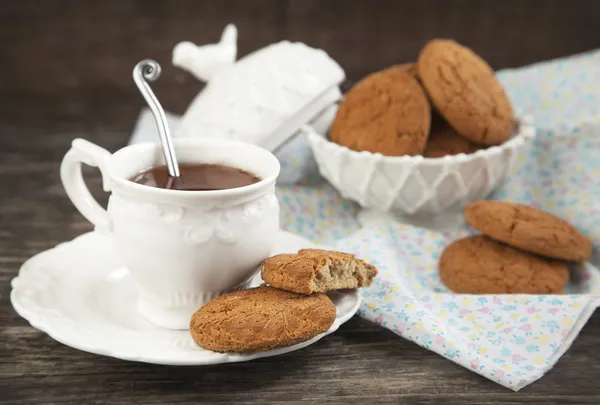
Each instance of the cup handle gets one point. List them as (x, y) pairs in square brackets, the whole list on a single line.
[(83, 151)]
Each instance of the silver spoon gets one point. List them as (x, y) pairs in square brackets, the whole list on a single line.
[(150, 70)]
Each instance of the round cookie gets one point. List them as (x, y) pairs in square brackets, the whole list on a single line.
[(260, 319), (412, 70), (480, 265), (529, 229), (464, 89), (317, 270), (444, 140), (386, 112)]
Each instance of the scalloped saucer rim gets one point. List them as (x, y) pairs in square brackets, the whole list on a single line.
[(80, 294)]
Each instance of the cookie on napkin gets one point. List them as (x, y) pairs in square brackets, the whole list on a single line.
[(316, 270), (386, 112), (480, 265), (260, 319), (529, 229), (464, 89)]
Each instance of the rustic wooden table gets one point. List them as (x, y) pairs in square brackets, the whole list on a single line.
[(361, 363)]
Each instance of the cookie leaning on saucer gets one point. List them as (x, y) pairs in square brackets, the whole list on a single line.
[(480, 265), (529, 229), (386, 112), (260, 319), (464, 89), (316, 270)]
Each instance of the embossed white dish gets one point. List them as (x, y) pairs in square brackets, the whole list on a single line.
[(414, 185), (80, 294), (264, 97)]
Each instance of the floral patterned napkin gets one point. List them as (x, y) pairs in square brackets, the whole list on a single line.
[(510, 339)]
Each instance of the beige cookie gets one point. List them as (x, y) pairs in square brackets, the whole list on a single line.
[(260, 319), (465, 90), (444, 140), (315, 270), (386, 112), (529, 229), (480, 265)]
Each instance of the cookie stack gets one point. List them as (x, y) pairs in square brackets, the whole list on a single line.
[(447, 103), (290, 308), (522, 250)]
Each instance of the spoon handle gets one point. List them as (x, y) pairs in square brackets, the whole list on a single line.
[(150, 70)]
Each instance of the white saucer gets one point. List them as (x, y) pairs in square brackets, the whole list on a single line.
[(81, 295)]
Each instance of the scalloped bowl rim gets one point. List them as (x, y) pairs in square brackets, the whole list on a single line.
[(526, 132)]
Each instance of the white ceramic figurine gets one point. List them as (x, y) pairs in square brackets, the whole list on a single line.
[(263, 98)]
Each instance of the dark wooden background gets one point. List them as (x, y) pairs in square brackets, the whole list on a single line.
[(65, 71), (65, 61)]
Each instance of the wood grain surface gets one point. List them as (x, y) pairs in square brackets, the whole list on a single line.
[(361, 363), (66, 72)]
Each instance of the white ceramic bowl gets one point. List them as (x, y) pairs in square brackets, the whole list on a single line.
[(410, 185)]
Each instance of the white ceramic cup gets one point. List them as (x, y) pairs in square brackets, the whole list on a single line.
[(183, 248)]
